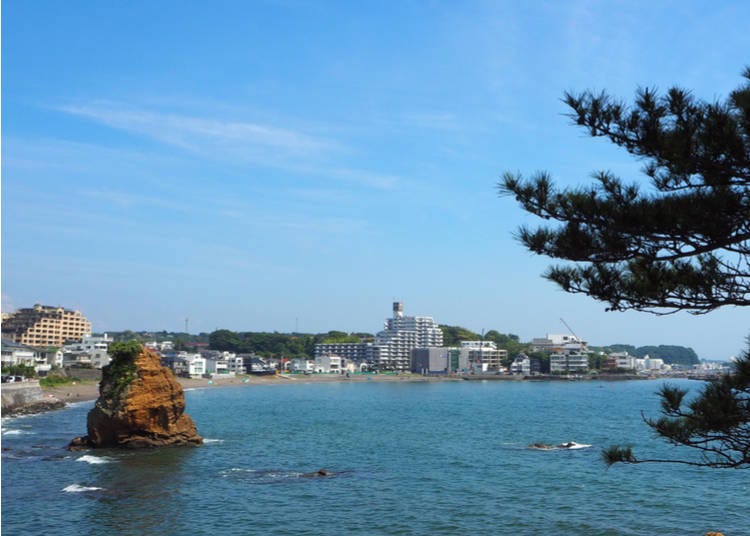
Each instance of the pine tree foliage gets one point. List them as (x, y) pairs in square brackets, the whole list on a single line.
[(716, 422), (683, 242)]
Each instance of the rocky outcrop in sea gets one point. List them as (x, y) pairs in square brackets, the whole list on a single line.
[(141, 404), (27, 398)]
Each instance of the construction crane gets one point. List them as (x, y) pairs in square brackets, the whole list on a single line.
[(569, 329)]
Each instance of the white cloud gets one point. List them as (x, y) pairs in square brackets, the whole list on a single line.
[(236, 142), (206, 136)]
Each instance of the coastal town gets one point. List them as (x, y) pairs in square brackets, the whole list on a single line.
[(46, 340)]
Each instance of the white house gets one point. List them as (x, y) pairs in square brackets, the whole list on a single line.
[(236, 364), (302, 365), (14, 353), (196, 366), (91, 351), (328, 363), (194, 363), (521, 365)]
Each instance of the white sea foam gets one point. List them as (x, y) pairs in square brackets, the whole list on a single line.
[(228, 472), (208, 441), (76, 488), (572, 445), (81, 403), (94, 460)]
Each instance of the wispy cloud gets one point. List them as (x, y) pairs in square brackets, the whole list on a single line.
[(254, 141), (237, 142)]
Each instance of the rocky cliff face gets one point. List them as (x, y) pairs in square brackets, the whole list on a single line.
[(140, 404)]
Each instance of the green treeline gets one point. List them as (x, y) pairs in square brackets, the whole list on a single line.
[(453, 335), (293, 345), (290, 345)]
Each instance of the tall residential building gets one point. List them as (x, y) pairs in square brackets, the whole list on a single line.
[(401, 335), (43, 325), (393, 346)]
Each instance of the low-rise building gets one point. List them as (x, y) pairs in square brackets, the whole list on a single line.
[(90, 351), (484, 356), (328, 364), (569, 363), (302, 365), (559, 344), (14, 354), (196, 365), (521, 365), (430, 360)]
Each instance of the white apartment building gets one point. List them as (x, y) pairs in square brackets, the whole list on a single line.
[(352, 351), (483, 356), (569, 363), (401, 335)]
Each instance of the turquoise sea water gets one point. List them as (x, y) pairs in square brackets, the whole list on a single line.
[(406, 458)]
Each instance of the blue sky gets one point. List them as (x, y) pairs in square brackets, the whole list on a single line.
[(262, 166)]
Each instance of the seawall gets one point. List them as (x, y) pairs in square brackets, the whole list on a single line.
[(26, 397)]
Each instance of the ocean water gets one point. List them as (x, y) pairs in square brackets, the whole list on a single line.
[(406, 458)]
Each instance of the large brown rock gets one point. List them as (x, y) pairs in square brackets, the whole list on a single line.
[(140, 404)]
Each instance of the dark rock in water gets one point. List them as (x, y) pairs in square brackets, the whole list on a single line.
[(38, 407), (140, 404), (318, 473), (79, 443)]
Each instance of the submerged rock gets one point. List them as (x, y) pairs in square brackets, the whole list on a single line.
[(318, 473), (141, 404)]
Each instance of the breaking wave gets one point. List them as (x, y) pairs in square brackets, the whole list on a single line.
[(94, 460), (77, 488)]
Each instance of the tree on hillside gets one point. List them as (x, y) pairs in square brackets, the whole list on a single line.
[(224, 340), (674, 355), (682, 244), (453, 335)]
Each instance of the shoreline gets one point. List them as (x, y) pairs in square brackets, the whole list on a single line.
[(89, 390)]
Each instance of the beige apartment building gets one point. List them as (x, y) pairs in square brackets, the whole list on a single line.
[(43, 326)]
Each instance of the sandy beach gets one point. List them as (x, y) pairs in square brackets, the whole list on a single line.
[(89, 390)]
